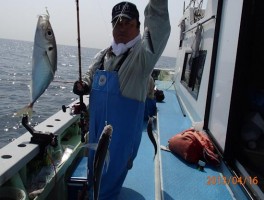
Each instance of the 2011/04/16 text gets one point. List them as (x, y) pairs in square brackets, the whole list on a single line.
[(223, 180)]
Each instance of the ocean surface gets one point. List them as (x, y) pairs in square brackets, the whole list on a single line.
[(15, 78)]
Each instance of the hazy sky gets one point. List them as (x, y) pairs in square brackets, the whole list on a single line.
[(18, 20)]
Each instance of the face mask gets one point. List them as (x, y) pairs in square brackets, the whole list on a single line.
[(121, 48)]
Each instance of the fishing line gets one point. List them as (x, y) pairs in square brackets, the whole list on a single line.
[(120, 15), (47, 11), (170, 85), (107, 94), (103, 16), (107, 78), (200, 4), (54, 167)]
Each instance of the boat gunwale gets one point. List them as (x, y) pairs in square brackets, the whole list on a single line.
[(15, 155)]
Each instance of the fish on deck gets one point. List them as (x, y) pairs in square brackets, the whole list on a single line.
[(44, 62)]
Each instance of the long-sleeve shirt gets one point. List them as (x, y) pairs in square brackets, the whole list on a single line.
[(137, 67)]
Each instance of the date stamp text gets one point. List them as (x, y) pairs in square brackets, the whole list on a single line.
[(223, 180)]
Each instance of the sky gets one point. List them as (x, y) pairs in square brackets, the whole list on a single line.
[(18, 20)]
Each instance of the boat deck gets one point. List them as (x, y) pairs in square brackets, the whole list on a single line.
[(166, 177), (170, 177)]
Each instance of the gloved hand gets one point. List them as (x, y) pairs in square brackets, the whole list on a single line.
[(80, 88)]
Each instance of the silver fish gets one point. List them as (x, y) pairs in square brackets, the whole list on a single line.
[(151, 135), (100, 158), (196, 43), (44, 61)]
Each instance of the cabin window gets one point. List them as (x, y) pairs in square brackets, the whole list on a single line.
[(192, 72)]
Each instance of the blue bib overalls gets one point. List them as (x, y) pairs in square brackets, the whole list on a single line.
[(126, 116)]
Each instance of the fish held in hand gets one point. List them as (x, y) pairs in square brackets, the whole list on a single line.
[(44, 62), (101, 157)]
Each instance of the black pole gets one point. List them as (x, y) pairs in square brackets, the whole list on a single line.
[(79, 41), (82, 105)]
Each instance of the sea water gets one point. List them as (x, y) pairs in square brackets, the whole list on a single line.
[(15, 77)]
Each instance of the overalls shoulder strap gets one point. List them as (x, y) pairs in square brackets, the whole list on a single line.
[(120, 61)]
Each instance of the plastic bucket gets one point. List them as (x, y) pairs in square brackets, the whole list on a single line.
[(12, 193)]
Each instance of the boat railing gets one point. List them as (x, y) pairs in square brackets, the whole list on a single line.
[(200, 23), (18, 155)]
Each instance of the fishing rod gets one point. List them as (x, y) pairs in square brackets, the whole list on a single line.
[(82, 105), (79, 42)]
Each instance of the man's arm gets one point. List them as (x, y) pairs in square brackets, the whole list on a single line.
[(157, 25), (156, 33)]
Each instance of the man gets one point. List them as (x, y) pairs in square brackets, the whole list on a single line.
[(117, 84)]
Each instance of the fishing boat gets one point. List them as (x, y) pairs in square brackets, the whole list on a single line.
[(216, 87)]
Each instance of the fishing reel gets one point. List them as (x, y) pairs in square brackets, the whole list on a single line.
[(80, 109), (75, 109)]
